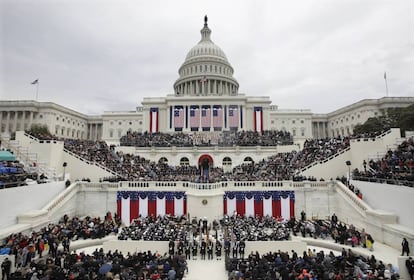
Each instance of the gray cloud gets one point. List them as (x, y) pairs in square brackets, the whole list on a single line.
[(95, 56)]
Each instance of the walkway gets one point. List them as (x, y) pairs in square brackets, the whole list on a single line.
[(206, 270)]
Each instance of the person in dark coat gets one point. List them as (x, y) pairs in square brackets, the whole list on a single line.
[(409, 264), (203, 248), (405, 247), (5, 269)]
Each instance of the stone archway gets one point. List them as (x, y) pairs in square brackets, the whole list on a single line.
[(205, 162)]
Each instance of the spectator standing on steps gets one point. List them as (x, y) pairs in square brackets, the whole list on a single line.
[(5, 269), (405, 247)]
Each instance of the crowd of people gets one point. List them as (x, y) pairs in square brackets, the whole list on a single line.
[(310, 265), (282, 166), (213, 138), (150, 228), (397, 166), (190, 239), (25, 247), (251, 228)]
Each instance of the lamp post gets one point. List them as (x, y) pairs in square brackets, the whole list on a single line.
[(64, 169), (348, 163)]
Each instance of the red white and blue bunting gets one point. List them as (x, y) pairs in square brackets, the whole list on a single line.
[(132, 204), (277, 204)]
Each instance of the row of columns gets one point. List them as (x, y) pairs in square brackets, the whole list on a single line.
[(206, 87), (94, 131), (320, 130), (238, 108), (10, 124)]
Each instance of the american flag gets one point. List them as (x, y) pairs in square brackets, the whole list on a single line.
[(178, 117), (233, 116), (217, 116), (205, 116), (194, 116)]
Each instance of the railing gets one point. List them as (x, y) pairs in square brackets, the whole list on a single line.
[(29, 160), (55, 203), (361, 206), (406, 183), (42, 141), (224, 184), (325, 160), (372, 138), (91, 162)]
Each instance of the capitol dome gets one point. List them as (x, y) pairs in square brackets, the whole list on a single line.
[(206, 70)]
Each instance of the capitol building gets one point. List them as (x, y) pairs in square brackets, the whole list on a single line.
[(205, 104)]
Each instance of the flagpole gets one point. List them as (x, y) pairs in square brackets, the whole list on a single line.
[(37, 90), (386, 83)]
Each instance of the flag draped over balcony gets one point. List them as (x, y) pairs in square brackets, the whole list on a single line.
[(194, 116), (179, 117), (154, 120), (217, 116), (233, 116), (277, 204), (132, 204), (258, 119)]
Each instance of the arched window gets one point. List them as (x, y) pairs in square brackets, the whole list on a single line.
[(184, 161), (227, 161), (163, 160), (248, 160)]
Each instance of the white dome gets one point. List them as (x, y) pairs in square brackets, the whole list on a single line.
[(206, 69), (205, 48)]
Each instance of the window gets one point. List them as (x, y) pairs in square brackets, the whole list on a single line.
[(227, 161), (163, 160), (248, 160), (301, 121), (184, 161), (293, 121), (140, 122)]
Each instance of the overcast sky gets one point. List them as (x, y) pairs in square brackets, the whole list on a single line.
[(96, 56)]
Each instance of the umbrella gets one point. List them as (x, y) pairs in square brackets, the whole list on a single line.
[(105, 268)]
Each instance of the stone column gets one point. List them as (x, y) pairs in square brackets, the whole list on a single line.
[(15, 120), (30, 119), (7, 121)]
